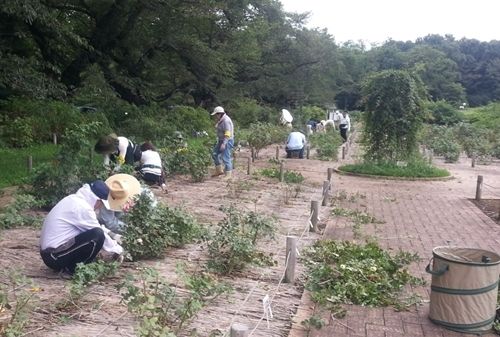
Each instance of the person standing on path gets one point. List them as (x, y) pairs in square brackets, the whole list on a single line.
[(222, 150), (345, 125)]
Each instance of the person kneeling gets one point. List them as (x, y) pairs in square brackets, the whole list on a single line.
[(295, 144), (71, 233)]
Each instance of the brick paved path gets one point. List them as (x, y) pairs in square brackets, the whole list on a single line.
[(418, 216)]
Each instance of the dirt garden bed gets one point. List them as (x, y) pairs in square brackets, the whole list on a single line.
[(100, 312)]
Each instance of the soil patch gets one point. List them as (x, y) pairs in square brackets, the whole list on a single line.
[(490, 207)]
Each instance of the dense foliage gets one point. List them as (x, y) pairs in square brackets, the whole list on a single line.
[(125, 58), (393, 115)]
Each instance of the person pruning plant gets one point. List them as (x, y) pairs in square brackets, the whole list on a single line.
[(295, 144), (222, 150), (71, 233), (119, 150), (122, 189)]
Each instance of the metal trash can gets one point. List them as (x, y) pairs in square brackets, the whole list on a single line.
[(464, 288)]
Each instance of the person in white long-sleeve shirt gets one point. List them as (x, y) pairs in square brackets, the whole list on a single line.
[(345, 125), (71, 233), (295, 144)]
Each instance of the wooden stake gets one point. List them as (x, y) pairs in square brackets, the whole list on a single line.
[(54, 138), (291, 259), (252, 153), (326, 194), (473, 162), (30, 163), (249, 166), (343, 152), (308, 150), (239, 330), (282, 171), (277, 152), (329, 173), (314, 215), (479, 187)]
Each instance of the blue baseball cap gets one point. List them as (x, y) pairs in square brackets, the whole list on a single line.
[(101, 190)]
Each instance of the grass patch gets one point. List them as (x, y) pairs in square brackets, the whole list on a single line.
[(14, 166), (289, 177), (411, 170)]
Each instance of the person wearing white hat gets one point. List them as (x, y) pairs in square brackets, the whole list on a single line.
[(71, 233), (221, 153), (122, 188)]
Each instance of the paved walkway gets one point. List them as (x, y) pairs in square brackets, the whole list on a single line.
[(418, 216)]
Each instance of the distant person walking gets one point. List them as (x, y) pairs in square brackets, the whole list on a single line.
[(344, 125), (222, 150)]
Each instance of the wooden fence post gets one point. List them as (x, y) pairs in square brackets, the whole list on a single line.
[(249, 166), (252, 153), (314, 215), (282, 171), (326, 194), (473, 161), (343, 152), (30, 163), (277, 152), (479, 187), (54, 138), (239, 330), (308, 150), (291, 259)]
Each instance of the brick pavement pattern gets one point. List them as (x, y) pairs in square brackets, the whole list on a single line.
[(418, 216)]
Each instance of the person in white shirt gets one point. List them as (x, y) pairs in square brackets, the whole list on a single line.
[(71, 233), (295, 144), (345, 125), (119, 150), (336, 119), (151, 169)]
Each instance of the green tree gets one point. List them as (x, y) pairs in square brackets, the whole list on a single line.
[(393, 115)]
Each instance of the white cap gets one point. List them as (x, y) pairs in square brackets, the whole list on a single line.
[(218, 110)]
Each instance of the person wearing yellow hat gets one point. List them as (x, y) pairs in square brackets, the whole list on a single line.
[(122, 189), (221, 153)]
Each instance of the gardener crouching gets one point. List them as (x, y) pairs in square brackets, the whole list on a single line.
[(225, 142), (71, 233)]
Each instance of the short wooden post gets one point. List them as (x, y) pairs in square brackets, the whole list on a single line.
[(252, 153), (329, 176), (30, 163), (54, 138), (343, 152), (473, 161), (479, 187), (431, 154), (291, 259), (282, 171), (239, 330), (249, 166), (314, 215), (277, 152), (326, 194), (308, 151)]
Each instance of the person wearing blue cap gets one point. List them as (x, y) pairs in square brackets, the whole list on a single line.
[(71, 233)]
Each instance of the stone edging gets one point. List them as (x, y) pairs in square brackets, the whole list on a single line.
[(450, 177)]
